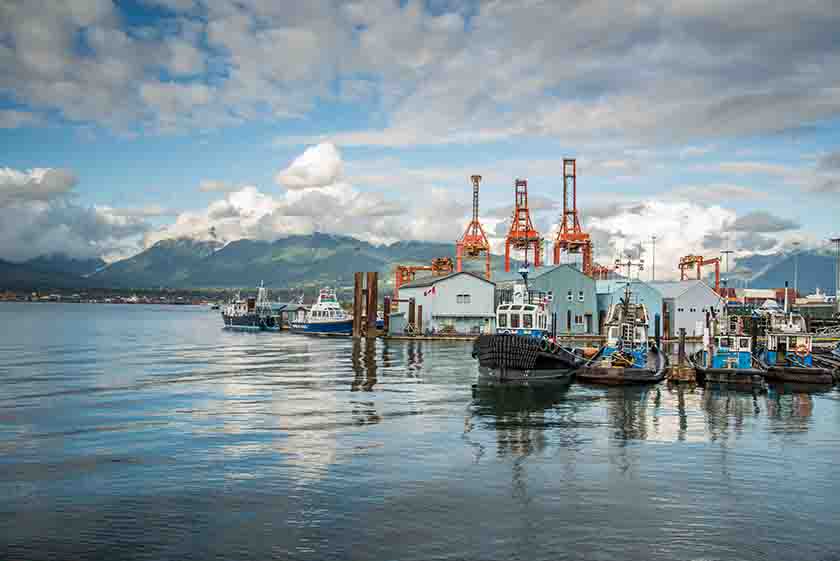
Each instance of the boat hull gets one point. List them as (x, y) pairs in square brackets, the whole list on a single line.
[(799, 375), (615, 375), (250, 322), (731, 376), (512, 376), (341, 327)]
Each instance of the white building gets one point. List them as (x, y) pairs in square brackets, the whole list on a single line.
[(685, 304), (461, 301)]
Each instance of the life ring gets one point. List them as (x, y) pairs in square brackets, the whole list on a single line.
[(506, 332), (801, 351)]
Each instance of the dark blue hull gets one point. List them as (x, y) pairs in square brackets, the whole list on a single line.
[(339, 327), (250, 322)]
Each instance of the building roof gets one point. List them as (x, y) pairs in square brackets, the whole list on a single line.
[(534, 274), (675, 289), (432, 280), (608, 286)]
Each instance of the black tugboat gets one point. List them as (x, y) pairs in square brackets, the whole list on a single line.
[(250, 314), (522, 350)]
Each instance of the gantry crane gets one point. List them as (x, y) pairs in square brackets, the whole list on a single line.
[(571, 238), (698, 262), (406, 273), (474, 242), (522, 234)]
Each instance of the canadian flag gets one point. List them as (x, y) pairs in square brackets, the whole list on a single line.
[(431, 291)]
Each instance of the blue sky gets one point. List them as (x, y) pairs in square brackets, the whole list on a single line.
[(710, 125)]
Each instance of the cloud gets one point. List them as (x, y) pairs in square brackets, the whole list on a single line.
[(681, 228), (830, 161), (214, 186), (716, 193), (708, 73), (12, 119), (39, 184), (318, 166), (763, 222), (831, 185), (39, 216)]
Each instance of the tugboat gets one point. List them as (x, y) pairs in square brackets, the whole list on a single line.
[(250, 314), (788, 353), (326, 317), (727, 354), (627, 357), (522, 350)]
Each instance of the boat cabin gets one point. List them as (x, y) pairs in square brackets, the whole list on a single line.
[(526, 314), (788, 340)]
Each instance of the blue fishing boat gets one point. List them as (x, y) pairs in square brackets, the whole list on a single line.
[(787, 354), (326, 317), (727, 353), (627, 357)]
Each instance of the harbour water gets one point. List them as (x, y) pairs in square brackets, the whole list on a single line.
[(143, 432)]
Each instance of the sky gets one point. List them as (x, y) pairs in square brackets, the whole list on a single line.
[(708, 124)]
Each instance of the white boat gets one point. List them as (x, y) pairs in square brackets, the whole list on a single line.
[(325, 317)]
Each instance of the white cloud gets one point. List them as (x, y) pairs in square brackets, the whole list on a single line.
[(212, 185), (681, 228), (318, 166), (39, 184)]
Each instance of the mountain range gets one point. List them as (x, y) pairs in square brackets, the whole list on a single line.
[(310, 260)]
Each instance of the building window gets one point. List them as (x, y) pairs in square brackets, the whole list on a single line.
[(693, 310), (680, 310), (578, 320), (463, 298), (569, 296), (514, 320), (580, 296)]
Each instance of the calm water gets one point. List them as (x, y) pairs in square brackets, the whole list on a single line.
[(139, 432)]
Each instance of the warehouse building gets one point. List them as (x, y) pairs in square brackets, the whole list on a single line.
[(611, 291), (574, 301), (461, 302), (684, 305)]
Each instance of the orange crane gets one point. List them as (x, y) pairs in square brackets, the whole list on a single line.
[(474, 242), (571, 238), (698, 262), (406, 273), (522, 234)]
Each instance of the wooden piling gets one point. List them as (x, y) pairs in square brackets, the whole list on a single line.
[(420, 319), (411, 313), (386, 314), (357, 304), (681, 372), (372, 302)]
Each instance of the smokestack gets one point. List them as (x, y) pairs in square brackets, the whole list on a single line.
[(787, 309)]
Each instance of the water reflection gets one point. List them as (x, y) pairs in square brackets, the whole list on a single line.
[(364, 364)]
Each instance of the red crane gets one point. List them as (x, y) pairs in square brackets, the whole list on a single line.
[(406, 273), (698, 261), (522, 234), (474, 242), (571, 238)]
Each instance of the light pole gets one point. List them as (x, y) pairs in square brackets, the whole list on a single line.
[(653, 259), (726, 253), (795, 270), (837, 276)]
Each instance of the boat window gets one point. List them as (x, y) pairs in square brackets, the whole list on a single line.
[(502, 320), (517, 307), (745, 343), (528, 321), (528, 308), (640, 333), (514, 320), (504, 307), (613, 332)]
